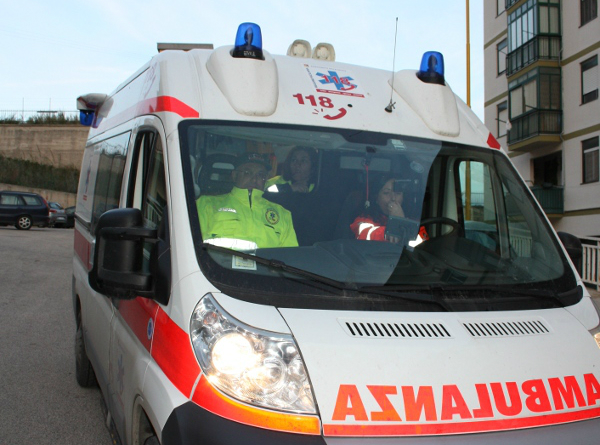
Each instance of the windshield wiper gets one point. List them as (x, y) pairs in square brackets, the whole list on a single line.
[(542, 294), (406, 293), (280, 265)]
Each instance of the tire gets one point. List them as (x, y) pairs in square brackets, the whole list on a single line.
[(23, 222), (84, 373)]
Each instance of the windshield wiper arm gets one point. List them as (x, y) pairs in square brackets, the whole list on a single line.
[(280, 265)]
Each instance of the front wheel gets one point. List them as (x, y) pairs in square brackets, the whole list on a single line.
[(84, 372), (23, 223)]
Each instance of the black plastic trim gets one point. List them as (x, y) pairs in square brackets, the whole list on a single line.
[(189, 423)]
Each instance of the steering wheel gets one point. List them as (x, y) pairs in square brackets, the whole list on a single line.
[(442, 220)]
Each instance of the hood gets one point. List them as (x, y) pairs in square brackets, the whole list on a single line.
[(405, 374)]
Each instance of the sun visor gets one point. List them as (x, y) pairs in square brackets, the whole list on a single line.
[(250, 85), (434, 104)]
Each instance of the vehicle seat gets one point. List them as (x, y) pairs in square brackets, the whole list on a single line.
[(215, 174), (353, 206)]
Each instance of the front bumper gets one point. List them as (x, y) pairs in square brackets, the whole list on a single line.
[(189, 423)]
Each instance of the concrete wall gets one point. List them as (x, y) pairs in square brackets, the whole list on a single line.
[(57, 145)]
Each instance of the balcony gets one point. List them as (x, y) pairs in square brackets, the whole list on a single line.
[(551, 198), (509, 3), (538, 48), (535, 123)]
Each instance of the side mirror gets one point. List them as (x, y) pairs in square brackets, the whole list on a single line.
[(119, 255), (573, 247)]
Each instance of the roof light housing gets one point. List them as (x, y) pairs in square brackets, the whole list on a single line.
[(324, 51), (299, 48), (432, 68), (248, 42)]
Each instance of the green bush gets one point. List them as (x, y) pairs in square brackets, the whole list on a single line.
[(10, 120), (32, 174), (53, 119), (43, 119)]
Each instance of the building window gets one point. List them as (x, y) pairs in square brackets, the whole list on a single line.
[(522, 25), (501, 48), (502, 118), (538, 89), (589, 80), (523, 98), (547, 170), (500, 5), (549, 17), (591, 167), (588, 10)]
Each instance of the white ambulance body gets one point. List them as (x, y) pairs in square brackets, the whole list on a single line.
[(471, 327)]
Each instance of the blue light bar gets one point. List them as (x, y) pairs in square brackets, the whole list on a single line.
[(248, 42), (86, 118), (432, 68)]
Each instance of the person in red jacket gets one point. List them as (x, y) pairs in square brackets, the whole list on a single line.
[(371, 224)]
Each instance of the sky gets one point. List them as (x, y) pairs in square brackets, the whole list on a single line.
[(54, 51)]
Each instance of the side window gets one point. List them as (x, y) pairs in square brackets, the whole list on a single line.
[(10, 200), (143, 149), (111, 165), (32, 201), (520, 234), (148, 191), (479, 204), (155, 197)]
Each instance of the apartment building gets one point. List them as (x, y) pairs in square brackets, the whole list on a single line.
[(542, 104)]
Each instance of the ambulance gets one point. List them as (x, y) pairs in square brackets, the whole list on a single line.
[(466, 323)]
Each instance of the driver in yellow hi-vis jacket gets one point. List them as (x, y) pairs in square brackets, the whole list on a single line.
[(242, 219)]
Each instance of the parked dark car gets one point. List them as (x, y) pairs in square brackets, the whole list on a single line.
[(23, 210), (58, 218), (70, 212)]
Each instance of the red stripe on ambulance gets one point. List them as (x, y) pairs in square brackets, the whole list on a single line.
[(149, 106), (82, 249), (494, 400), (172, 350), (492, 142), (140, 315), (165, 103)]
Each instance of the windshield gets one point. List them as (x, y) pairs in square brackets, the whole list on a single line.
[(360, 216)]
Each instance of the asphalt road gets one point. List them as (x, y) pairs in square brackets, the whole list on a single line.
[(40, 401)]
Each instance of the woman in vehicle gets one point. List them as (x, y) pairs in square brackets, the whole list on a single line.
[(371, 224), (299, 172)]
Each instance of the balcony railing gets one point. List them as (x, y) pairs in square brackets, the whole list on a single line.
[(538, 48), (551, 198), (535, 123)]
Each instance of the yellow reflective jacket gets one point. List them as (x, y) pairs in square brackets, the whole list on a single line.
[(245, 215), (278, 180)]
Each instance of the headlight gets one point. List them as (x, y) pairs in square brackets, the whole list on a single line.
[(258, 367)]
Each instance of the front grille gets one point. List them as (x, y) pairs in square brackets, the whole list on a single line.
[(507, 328), (377, 329)]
